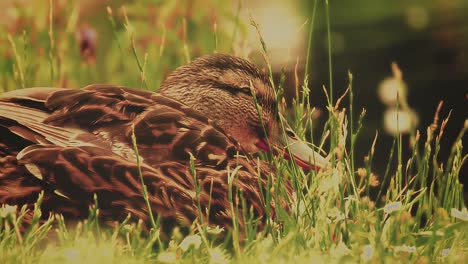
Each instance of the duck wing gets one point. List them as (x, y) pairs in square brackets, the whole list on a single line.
[(108, 116), (73, 144), (176, 193)]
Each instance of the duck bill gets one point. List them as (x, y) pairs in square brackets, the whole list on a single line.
[(294, 148)]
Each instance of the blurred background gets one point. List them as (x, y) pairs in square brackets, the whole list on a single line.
[(75, 43), (428, 40)]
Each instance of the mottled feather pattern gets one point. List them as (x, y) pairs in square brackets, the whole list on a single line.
[(87, 133)]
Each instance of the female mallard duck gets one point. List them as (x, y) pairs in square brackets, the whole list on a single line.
[(73, 144)]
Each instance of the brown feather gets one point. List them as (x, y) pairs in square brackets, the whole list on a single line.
[(70, 148), (74, 144)]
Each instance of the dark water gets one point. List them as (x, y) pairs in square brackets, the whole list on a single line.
[(433, 58)]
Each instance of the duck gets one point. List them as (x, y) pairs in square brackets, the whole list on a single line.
[(187, 145)]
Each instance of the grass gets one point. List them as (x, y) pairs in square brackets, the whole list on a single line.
[(414, 213)]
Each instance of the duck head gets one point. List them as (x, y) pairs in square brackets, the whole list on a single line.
[(240, 99)]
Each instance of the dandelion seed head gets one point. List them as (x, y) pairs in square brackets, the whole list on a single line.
[(399, 121), (390, 89)]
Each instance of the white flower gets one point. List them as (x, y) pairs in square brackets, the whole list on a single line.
[(214, 230), (194, 240), (392, 207), (167, 257), (367, 252), (6, 210), (462, 215)]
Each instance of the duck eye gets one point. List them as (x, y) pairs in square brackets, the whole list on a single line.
[(290, 134), (245, 90)]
